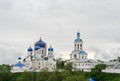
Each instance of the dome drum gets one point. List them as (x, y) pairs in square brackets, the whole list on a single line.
[(36, 48), (30, 49), (50, 49)]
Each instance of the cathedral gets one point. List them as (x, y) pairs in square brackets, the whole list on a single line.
[(37, 59), (78, 57)]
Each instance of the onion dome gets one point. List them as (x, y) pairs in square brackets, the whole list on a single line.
[(36, 48), (40, 43), (19, 64), (19, 58), (50, 49), (78, 37), (82, 52), (78, 40), (30, 49)]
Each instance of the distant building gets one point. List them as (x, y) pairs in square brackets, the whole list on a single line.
[(37, 59), (78, 57), (112, 67)]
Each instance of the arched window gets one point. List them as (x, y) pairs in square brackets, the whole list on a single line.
[(75, 56), (78, 46), (75, 45), (82, 57), (81, 46)]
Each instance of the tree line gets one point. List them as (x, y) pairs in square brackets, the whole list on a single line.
[(62, 73)]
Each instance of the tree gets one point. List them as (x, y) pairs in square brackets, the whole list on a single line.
[(97, 73), (98, 68), (68, 66), (43, 75), (26, 76), (60, 64), (76, 78), (4, 72), (116, 79)]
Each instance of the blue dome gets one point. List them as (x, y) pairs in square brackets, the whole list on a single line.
[(78, 40), (82, 52), (30, 49), (40, 43), (19, 64), (36, 48), (78, 37), (50, 49), (19, 58)]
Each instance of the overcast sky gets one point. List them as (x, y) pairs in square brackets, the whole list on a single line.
[(23, 22)]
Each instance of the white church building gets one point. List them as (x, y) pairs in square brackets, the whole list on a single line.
[(80, 61), (79, 57), (37, 59)]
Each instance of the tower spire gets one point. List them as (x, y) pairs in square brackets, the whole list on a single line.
[(40, 37), (78, 35)]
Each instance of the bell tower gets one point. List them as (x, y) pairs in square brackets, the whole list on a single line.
[(78, 43)]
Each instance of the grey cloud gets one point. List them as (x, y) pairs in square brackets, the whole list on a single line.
[(5, 5), (9, 55), (106, 55), (22, 22)]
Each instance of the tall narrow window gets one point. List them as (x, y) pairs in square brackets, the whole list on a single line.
[(75, 56), (75, 46), (81, 46), (82, 57), (78, 46)]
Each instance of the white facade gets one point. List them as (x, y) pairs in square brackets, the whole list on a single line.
[(112, 67), (18, 67), (79, 57), (38, 59)]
